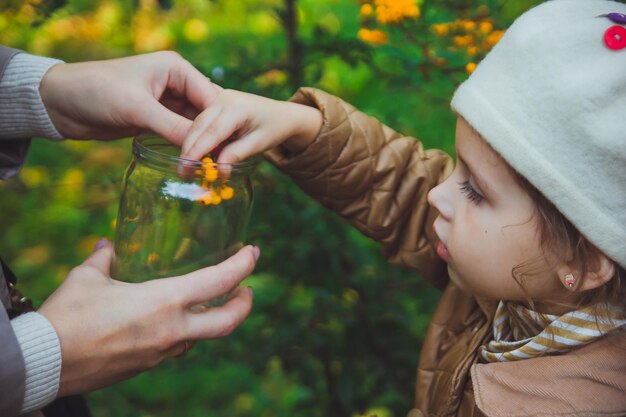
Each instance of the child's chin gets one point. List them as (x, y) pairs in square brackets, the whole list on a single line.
[(456, 280)]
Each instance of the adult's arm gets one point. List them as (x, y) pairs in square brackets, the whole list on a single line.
[(22, 112), (374, 177), (30, 359)]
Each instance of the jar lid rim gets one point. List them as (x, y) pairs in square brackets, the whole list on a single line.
[(144, 146)]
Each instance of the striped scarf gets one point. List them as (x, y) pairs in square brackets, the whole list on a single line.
[(520, 333)]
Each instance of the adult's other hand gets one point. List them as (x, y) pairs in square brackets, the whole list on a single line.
[(111, 330)]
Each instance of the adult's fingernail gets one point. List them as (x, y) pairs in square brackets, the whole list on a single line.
[(256, 252), (101, 243)]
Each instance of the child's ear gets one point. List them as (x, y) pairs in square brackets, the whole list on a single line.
[(598, 273)]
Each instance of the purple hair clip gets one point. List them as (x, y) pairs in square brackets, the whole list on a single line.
[(615, 36)]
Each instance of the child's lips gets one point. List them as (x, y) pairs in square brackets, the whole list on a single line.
[(442, 251)]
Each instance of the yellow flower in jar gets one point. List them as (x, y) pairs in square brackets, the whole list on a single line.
[(216, 199), (134, 247), (210, 171), (152, 258), (227, 192), (210, 174), (207, 198)]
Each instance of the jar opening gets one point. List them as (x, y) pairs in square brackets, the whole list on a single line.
[(162, 154)]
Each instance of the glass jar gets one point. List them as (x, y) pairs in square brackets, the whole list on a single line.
[(177, 215)]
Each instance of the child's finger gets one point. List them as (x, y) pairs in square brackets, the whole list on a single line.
[(243, 148), (199, 125), (222, 127)]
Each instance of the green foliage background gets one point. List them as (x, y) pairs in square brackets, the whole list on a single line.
[(335, 330)]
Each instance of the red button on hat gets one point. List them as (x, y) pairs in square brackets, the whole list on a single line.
[(615, 37)]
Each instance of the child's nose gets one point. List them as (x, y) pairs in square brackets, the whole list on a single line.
[(437, 199)]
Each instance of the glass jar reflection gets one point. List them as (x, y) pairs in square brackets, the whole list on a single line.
[(176, 215)]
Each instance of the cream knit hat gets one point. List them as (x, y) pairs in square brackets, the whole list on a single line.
[(551, 99)]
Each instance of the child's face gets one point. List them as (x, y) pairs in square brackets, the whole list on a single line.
[(486, 225)]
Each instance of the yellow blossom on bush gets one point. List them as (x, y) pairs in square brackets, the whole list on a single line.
[(485, 27), (244, 402), (367, 9), (376, 412), (35, 255), (395, 11), (440, 61), (464, 40), (147, 40), (440, 29), (34, 176), (272, 77), (86, 245), (469, 25), (73, 180), (373, 36), (470, 67), (195, 30), (493, 38)]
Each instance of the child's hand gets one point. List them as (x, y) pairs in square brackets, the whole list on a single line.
[(255, 124)]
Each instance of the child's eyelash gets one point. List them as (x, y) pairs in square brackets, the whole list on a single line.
[(470, 192)]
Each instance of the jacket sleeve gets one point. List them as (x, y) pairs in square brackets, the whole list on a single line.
[(374, 177)]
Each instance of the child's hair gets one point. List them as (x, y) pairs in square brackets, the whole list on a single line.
[(562, 241)]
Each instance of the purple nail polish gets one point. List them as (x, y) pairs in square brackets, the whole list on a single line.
[(101, 243)]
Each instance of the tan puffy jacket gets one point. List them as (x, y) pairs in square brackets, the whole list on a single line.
[(378, 181)]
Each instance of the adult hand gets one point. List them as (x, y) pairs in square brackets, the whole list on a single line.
[(159, 92), (255, 124), (111, 330)]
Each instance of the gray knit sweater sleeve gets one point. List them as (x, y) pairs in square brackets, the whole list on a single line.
[(41, 350), (22, 113)]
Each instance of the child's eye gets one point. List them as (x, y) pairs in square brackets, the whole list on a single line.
[(470, 192)]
